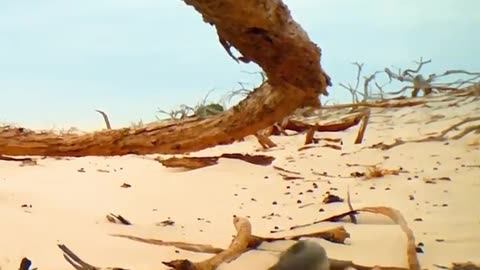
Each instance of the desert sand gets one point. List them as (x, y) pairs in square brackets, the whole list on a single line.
[(66, 201)]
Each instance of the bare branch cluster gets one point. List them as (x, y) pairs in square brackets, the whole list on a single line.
[(202, 109), (365, 92), (416, 81)]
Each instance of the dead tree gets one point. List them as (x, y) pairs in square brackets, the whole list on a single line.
[(366, 92), (263, 32), (427, 85)]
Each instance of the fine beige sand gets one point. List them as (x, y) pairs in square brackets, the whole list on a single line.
[(65, 201)]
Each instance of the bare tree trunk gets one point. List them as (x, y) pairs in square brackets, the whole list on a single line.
[(263, 32)]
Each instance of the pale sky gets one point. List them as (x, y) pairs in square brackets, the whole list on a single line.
[(62, 59)]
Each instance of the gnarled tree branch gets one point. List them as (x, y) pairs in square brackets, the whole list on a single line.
[(263, 32)]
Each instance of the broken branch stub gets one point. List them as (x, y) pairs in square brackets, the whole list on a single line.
[(263, 32)]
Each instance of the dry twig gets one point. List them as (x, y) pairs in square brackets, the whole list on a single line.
[(105, 118)]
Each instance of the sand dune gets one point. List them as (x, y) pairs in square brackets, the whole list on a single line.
[(66, 200)]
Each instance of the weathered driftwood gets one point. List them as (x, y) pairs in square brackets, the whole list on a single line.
[(244, 241), (395, 216), (440, 137), (335, 235), (263, 32)]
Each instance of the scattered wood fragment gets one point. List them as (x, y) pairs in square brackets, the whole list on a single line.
[(245, 241), (126, 185), (262, 160), (343, 265), (306, 147), (118, 219), (237, 247), (353, 218), (6, 158), (333, 146), (317, 140), (24, 161), (310, 134), (384, 146), (334, 235), (78, 263), (287, 177), (190, 163), (357, 174), (200, 162), (434, 180), (25, 264), (165, 223), (377, 172), (180, 245), (363, 127), (285, 170), (264, 141), (338, 125), (332, 140), (331, 198)]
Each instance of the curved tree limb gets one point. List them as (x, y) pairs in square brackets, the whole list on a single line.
[(263, 32), (105, 118)]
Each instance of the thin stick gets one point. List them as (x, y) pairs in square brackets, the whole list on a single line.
[(363, 127), (105, 118)]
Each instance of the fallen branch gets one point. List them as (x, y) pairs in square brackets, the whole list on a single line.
[(285, 170), (292, 66), (180, 245), (339, 125), (395, 216), (236, 248), (334, 235), (118, 219), (264, 141), (435, 138), (363, 127), (310, 134), (245, 241)]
